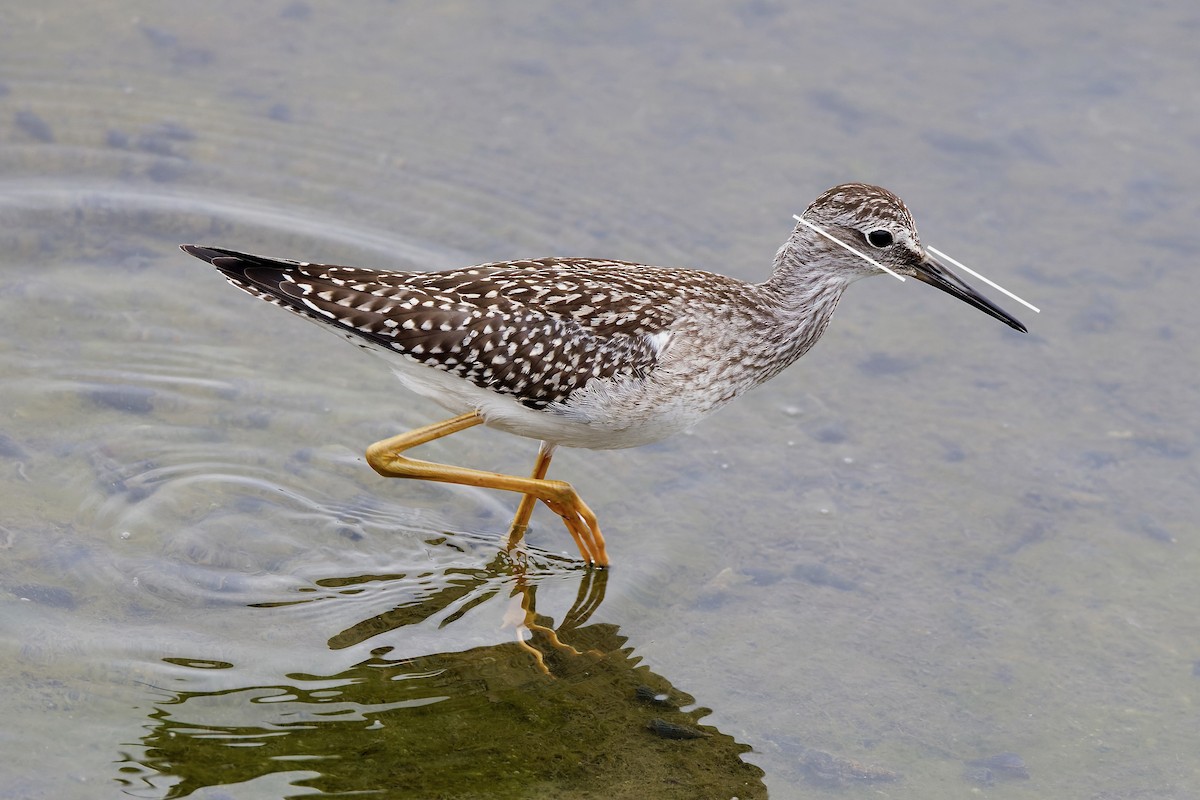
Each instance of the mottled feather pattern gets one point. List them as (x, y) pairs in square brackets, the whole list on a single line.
[(537, 330), (860, 202), (598, 353)]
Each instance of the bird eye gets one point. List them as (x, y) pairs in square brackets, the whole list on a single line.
[(879, 238)]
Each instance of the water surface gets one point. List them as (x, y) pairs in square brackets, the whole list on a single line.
[(934, 557)]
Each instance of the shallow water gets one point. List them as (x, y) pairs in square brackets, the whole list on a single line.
[(934, 557)]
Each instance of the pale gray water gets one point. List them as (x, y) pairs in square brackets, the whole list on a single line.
[(932, 541)]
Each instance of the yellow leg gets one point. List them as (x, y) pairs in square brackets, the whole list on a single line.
[(520, 522), (386, 458)]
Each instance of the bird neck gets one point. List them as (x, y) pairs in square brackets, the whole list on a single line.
[(803, 294), (803, 287)]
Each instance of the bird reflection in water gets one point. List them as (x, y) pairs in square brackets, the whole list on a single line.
[(533, 635), (561, 710)]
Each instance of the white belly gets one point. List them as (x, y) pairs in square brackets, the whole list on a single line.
[(604, 415)]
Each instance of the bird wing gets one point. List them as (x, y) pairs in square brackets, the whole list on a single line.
[(538, 330)]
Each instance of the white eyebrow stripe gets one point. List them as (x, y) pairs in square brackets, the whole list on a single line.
[(840, 243), (990, 283)]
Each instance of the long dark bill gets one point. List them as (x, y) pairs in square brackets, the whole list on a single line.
[(938, 275)]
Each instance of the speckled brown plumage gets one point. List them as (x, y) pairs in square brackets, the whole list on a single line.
[(537, 330), (600, 353)]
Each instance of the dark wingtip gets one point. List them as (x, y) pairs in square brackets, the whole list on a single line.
[(230, 262), (202, 253)]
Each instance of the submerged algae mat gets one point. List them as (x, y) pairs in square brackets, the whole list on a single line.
[(555, 713)]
